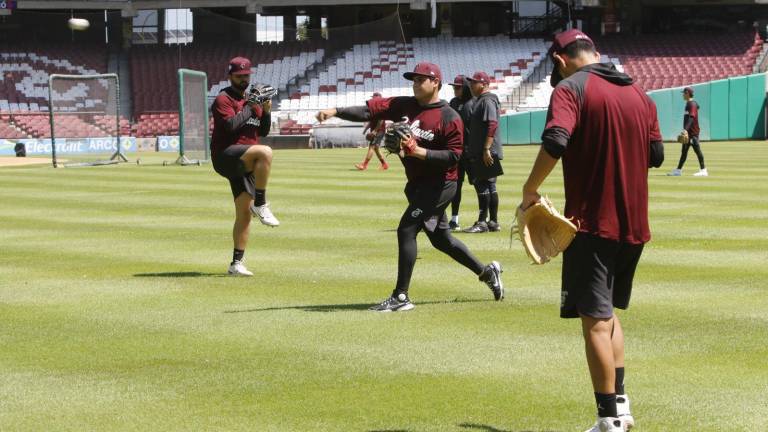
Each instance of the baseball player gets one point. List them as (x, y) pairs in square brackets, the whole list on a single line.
[(462, 104), (374, 133), (238, 121), (484, 144), (691, 127), (429, 157), (605, 130)]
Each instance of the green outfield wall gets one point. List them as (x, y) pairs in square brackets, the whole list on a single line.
[(731, 109)]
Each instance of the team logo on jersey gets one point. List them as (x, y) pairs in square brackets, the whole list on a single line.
[(417, 131), (416, 213), (253, 122)]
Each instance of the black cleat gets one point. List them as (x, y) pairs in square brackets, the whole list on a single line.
[(478, 227), (494, 226), (401, 303), (491, 275), (453, 226)]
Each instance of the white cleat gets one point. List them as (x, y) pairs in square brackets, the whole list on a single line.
[(237, 268), (702, 173), (608, 424), (622, 409), (675, 173), (265, 215)]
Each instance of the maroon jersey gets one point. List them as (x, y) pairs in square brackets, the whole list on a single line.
[(603, 126), (231, 126), (436, 127), (691, 118)]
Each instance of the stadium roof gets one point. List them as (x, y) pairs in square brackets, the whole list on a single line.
[(168, 4)]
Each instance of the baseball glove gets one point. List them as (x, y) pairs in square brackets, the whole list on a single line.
[(398, 136), (543, 230), (683, 137), (261, 93)]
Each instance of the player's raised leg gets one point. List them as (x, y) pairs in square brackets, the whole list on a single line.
[(258, 161)]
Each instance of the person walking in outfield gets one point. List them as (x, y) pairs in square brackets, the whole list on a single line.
[(691, 128), (462, 104), (429, 157), (238, 121), (606, 131), (374, 134), (484, 151)]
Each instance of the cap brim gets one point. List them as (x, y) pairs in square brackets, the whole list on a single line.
[(242, 72), (410, 75), (456, 85)]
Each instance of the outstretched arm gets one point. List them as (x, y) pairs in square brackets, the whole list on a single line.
[(355, 114)]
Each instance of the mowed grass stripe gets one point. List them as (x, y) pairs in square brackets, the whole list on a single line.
[(118, 317)]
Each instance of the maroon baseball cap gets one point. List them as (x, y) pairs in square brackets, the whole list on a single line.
[(688, 90), (480, 76), (559, 43), (239, 66), (458, 81), (425, 69)]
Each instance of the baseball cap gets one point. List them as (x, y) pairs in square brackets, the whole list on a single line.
[(688, 90), (559, 43), (376, 94), (480, 76), (425, 69), (239, 66), (458, 81)]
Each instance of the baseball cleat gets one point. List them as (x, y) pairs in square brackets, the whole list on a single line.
[(491, 275), (401, 303), (608, 424), (265, 215), (622, 408), (702, 173), (237, 268), (478, 227), (454, 226), (675, 173), (361, 167), (493, 226)]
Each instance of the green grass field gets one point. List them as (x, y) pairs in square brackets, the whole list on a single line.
[(116, 314)]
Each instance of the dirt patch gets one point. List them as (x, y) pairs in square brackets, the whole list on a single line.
[(18, 161)]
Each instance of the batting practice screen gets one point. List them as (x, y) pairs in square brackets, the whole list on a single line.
[(84, 119), (193, 117)]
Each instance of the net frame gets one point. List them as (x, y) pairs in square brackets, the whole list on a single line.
[(183, 159), (118, 155)]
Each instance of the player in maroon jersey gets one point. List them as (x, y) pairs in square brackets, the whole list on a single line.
[(238, 121), (430, 160)]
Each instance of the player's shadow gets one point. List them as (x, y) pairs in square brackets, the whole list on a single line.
[(348, 307), (179, 274), (481, 427)]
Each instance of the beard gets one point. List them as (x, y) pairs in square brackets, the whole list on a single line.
[(241, 85)]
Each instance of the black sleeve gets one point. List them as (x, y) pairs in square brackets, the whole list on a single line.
[(688, 122), (555, 140), (656, 157), (265, 124), (441, 158), (234, 123), (355, 113)]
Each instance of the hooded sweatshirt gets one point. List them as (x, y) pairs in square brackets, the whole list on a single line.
[(606, 130)]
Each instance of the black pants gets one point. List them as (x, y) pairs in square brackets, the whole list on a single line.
[(487, 199), (426, 210), (693, 142), (456, 202)]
